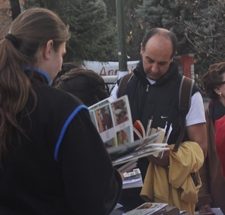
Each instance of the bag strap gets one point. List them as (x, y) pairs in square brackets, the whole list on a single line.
[(122, 84), (185, 93)]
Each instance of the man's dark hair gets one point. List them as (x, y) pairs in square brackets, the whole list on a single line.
[(164, 32)]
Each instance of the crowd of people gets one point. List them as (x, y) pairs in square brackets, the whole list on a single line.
[(52, 159)]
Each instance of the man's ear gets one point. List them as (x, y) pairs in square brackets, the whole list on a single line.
[(47, 49)]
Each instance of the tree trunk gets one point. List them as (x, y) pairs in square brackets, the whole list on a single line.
[(15, 8)]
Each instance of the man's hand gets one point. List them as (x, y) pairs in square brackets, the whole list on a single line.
[(161, 160)]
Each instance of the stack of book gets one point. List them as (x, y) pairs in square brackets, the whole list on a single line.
[(153, 208)]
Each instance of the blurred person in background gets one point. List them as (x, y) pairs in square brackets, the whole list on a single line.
[(86, 84), (212, 192)]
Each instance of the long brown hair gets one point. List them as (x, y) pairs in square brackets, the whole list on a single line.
[(213, 78), (31, 30)]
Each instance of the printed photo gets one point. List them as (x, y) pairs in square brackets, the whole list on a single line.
[(104, 119), (120, 111), (123, 136)]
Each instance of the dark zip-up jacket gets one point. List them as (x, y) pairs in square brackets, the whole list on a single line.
[(59, 165), (159, 101)]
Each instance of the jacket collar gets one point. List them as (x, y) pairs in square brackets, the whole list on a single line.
[(36, 73), (140, 73)]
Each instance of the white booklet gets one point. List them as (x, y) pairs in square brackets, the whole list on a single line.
[(113, 121), (147, 209), (132, 179)]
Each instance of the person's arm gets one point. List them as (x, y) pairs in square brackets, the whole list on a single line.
[(113, 94), (91, 183), (198, 134), (196, 128), (196, 122), (201, 138)]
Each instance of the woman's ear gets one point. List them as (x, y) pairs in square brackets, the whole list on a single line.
[(217, 91), (47, 50)]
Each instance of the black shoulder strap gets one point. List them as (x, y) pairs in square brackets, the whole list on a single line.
[(123, 84), (185, 93)]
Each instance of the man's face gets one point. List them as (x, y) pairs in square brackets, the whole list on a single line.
[(156, 56)]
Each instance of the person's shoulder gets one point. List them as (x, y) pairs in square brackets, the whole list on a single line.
[(57, 98), (123, 82)]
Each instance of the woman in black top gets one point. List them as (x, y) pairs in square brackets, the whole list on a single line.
[(52, 158)]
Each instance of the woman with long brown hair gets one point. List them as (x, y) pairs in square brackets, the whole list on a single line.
[(213, 172), (52, 159)]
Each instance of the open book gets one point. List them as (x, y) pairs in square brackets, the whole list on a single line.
[(140, 149), (114, 124)]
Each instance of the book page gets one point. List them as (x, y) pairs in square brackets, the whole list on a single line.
[(113, 121)]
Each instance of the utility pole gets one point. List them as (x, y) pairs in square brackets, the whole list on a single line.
[(122, 55), (15, 8)]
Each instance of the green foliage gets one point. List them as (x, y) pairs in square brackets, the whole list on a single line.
[(133, 28), (93, 36), (199, 26), (92, 33), (205, 32)]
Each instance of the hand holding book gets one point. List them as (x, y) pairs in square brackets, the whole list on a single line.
[(114, 124), (162, 160)]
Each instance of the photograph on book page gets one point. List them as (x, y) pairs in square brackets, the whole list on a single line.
[(122, 117), (102, 118)]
